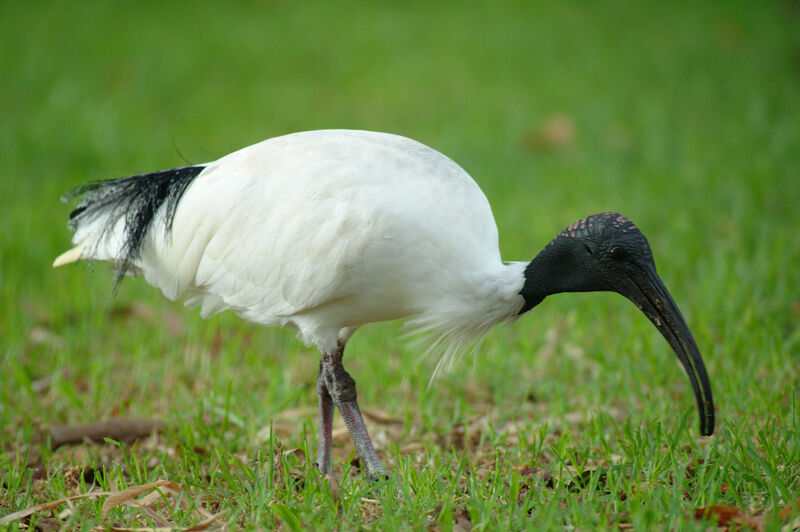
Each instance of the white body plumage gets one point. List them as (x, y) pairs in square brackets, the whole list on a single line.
[(325, 231)]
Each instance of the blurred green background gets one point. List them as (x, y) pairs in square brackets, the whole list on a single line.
[(685, 117)]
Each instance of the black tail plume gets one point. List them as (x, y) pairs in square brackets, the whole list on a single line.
[(138, 198)]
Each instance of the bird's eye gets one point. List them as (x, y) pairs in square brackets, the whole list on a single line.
[(618, 253)]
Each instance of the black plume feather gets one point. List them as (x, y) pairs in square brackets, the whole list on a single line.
[(138, 198)]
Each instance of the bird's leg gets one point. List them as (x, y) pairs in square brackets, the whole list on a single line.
[(342, 391), (324, 438)]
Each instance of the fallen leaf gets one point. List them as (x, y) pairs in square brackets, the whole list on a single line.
[(297, 452), (789, 510), (125, 430), (720, 513), (206, 523), (411, 448), (203, 525), (794, 526), (340, 435), (42, 386), (39, 335), (134, 529), (120, 497), (157, 518), (137, 310), (10, 518), (556, 132), (726, 515)]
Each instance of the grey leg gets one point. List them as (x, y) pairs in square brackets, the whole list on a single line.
[(325, 423), (342, 392)]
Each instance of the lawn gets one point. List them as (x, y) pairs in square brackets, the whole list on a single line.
[(686, 119)]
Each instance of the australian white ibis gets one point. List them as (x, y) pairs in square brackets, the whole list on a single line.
[(325, 231)]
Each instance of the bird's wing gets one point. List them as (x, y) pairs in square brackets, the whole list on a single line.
[(267, 232)]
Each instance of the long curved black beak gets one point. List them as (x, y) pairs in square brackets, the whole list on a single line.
[(648, 292)]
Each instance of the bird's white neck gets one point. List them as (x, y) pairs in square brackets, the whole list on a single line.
[(463, 318)]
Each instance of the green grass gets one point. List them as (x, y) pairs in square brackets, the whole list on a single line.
[(686, 119)]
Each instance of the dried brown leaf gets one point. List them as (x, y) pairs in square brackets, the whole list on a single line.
[(133, 529), (720, 513), (557, 131), (206, 523), (40, 335), (791, 509), (340, 434), (120, 497), (793, 526), (137, 529), (10, 518), (157, 518), (725, 515), (411, 448), (297, 452), (116, 429), (137, 310), (42, 386)]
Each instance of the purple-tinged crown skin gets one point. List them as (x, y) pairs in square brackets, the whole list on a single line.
[(596, 225)]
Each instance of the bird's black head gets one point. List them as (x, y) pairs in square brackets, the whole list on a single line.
[(598, 253), (607, 252)]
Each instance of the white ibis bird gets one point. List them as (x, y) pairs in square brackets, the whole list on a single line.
[(325, 231)]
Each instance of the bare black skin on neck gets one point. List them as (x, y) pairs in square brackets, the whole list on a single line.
[(607, 253)]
